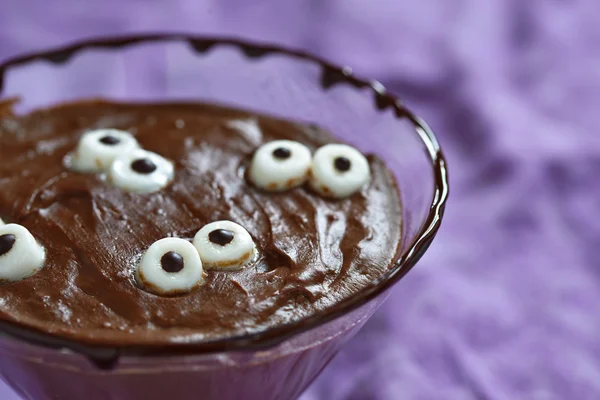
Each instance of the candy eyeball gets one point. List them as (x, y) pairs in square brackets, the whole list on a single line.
[(141, 171), (280, 165), (338, 170), (224, 245), (98, 149), (170, 267), (21, 256)]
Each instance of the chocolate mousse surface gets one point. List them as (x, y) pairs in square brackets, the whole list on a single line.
[(312, 252)]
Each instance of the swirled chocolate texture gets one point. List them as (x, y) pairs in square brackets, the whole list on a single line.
[(313, 252)]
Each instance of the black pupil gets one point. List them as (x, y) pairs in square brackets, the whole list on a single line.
[(172, 262), (342, 164), (110, 140), (221, 236), (143, 166), (282, 153), (6, 243)]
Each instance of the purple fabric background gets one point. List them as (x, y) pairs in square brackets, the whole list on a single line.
[(506, 304)]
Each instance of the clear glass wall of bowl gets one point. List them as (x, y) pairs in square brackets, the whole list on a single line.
[(274, 83)]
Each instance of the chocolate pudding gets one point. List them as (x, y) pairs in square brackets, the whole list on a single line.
[(311, 251)]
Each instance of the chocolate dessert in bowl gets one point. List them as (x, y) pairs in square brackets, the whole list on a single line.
[(193, 217)]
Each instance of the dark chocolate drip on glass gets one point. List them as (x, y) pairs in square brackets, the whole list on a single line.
[(255, 52), (201, 45), (330, 76), (105, 361), (401, 112), (61, 57), (384, 101)]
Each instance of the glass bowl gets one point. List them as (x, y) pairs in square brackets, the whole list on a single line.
[(278, 363)]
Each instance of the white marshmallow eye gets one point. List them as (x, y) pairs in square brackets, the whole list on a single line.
[(98, 149), (170, 267), (20, 254), (141, 171), (280, 165), (338, 170), (224, 245)]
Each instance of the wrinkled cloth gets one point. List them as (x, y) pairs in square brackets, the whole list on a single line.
[(506, 303)]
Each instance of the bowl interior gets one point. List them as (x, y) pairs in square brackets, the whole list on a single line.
[(267, 79)]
